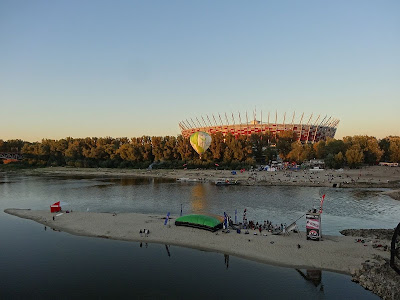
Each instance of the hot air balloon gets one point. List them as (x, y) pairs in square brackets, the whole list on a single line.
[(200, 141)]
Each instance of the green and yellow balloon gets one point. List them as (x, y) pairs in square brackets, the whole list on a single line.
[(200, 141)]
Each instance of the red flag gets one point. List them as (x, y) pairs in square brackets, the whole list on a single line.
[(322, 202), (217, 165)]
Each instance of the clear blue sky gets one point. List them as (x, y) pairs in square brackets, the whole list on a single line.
[(133, 68)]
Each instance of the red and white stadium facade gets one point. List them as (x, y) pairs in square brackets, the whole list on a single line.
[(311, 131)]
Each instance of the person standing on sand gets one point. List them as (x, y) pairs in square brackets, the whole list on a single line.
[(53, 218)]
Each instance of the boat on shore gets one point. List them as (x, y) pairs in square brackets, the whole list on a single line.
[(226, 182), (184, 179)]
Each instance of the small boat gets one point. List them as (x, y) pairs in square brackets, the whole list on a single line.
[(185, 179), (226, 182)]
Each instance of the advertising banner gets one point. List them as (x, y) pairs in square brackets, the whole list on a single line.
[(313, 226)]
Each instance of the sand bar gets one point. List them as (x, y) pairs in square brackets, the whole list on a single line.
[(334, 253)]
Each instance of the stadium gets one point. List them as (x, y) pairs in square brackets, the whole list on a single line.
[(308, 130)]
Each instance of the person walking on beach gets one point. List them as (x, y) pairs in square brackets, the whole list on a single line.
[(53, 218)]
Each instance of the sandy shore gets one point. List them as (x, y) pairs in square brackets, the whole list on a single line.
[(334, 253)]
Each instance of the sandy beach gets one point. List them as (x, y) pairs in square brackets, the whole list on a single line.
[(335, 253)]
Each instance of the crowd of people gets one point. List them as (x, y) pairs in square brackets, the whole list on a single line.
[(267, 225)]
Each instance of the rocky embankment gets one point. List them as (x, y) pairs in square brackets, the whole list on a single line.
[(370, 234), (395, 194), (376, 274)]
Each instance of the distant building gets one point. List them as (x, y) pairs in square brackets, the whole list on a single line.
[(314, 164), (307, 132), (389, 164)]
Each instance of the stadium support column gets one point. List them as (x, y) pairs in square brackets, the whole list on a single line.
[(269, 130), (325, 128), (247, 124), (234, 125), (308, 135), (227, 124), (209, 122), (198, 122), (309, 127), (222, 124), (301, 126), (294, 114), (316, 130), (284, 119), (193, 123), (215, 122), (204, 122), (240, 124), (254, 122)]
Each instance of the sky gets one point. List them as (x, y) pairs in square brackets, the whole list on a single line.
[(133, 68)]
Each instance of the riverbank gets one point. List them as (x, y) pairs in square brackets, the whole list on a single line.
[(334, 253), (376, 275), (378, 177)]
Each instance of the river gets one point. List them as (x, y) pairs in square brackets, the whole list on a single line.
[(39, 263)]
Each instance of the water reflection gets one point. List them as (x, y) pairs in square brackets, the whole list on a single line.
[(131, 181), (226, 256), (198, 198), (314, 277), (167, 248)]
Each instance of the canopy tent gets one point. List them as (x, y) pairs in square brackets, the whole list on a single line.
[(56, 207), (212, 223)]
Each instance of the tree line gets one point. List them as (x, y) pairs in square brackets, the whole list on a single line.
[(226, 151)]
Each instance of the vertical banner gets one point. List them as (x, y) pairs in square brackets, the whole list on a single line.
[(322, 202), (236, 216), (313, 226), (166, 219)]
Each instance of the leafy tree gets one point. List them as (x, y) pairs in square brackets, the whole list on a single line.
[(320, 149), (169, 149), (394, 149), (368, 145), (339, 160), (74, 151), (259, 143), (184, 149), (333, 146), (126, 152), (229, 149), (354, 156), (157, 144), (284, 143), (2, 146), (384, 144), (217, 146)]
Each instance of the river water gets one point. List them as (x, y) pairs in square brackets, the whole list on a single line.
[(38, 263)]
